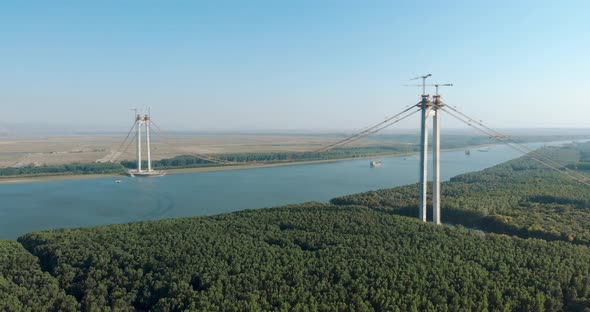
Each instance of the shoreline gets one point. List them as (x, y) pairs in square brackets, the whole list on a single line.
[(305, 162), (49, 178), (16, 180)]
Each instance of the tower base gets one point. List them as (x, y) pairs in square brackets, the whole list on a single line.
[(146, 174)]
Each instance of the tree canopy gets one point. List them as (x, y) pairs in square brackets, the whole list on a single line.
[(520, 197), (310, 257)]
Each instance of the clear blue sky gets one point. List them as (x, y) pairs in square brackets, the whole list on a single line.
[(291, 65)]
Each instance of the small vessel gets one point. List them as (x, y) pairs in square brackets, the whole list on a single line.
[(375, 164), (485, 149), (117, 181), (467, 152)]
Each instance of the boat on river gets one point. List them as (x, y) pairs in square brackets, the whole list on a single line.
[(375, 164)]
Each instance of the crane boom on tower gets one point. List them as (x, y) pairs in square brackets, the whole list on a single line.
[(423, 82), (436, 85)]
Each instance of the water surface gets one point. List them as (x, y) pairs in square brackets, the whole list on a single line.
[(34, 206)]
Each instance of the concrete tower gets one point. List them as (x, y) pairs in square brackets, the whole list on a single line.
[(437, 105), (139, 122), (430, 108), (139, 172), (425, 107), (436, 160), (147, 141)]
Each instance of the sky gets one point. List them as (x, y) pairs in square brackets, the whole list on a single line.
[(305, 65)]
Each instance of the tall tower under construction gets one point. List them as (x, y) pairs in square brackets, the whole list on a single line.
[(143, 123), (430, 108)]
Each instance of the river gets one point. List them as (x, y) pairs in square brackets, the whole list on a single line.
[(27, 207)]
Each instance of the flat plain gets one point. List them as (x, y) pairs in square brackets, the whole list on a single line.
[(88, 148)]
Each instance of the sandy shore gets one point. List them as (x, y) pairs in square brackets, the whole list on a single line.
[(13, 180)]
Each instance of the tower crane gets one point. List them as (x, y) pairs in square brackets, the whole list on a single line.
[(423, 82), (436, 85)]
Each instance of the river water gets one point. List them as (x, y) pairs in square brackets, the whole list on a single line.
[(27, 207)]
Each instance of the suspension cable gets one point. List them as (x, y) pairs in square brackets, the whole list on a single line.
[(121, 145), (371, 130), (513, 141), (529, 155), (357, 136), (127, 146), (524, 152), (197, 155), (497, 138), (380, 128)]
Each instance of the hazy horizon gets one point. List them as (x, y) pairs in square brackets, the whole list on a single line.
[(26, 129), (293, 66)]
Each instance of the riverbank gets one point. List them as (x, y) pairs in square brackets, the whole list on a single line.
[(48, 178), (33, 206), (15, 180)]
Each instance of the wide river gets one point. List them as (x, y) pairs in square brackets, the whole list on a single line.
[(27, 207)]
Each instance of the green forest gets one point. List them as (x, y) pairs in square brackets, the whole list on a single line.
[(519, 197), (25, 287), (363, 252), (303, 258), (76, 168)]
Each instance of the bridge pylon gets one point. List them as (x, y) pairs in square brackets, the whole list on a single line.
[(429, 108)]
